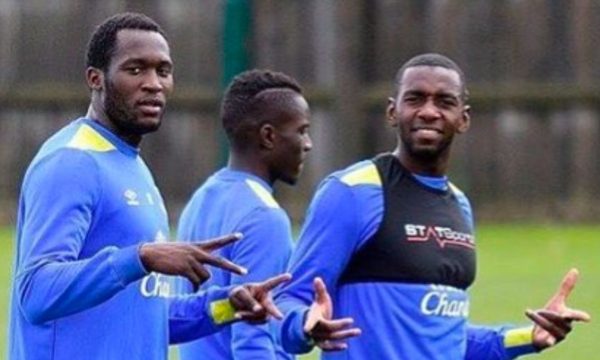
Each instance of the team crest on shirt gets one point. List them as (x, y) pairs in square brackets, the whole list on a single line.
[(440, 234)]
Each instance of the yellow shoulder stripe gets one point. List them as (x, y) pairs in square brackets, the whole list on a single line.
[(454, 188), (86, 138), (367, 175), (518, 337), (262, 193)]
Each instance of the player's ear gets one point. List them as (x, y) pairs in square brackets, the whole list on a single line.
[(390, 112), (466, 119), (94, 78), (267, 136)]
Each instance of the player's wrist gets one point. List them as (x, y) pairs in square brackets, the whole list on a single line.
[(145, 255), (519, 341), (308, 339)]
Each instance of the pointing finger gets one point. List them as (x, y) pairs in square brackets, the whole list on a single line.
[(577, 315), (222, 263), (566, 286), (275, 281), (217, 243)]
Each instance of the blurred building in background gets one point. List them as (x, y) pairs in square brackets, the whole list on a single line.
[(532, 65)]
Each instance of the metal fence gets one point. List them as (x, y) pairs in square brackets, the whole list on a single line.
[(531, 66)]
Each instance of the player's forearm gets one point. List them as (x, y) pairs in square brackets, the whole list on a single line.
[(518, 341), (200, 314), (291, 329), (50, 289), (501, 343)]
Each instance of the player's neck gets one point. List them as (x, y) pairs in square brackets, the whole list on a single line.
[(101, 117), (250, 165), (427, 167)]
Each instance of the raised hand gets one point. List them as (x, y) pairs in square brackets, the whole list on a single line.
[(253, 303), (325, 332), (189, 259), (554, 321)]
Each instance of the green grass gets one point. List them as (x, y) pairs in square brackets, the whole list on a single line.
[(520, 266)]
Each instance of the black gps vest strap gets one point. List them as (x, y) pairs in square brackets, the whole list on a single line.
[(423, 238)]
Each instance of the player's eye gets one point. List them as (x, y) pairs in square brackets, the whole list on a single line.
[(447, 102), (165, 71), (304, 130), (412, 99), (134, 70)]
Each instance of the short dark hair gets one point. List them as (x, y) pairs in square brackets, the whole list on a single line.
[(102, 44), (433, 59), (243, 100)]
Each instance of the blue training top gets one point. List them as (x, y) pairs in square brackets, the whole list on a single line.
[(398, 320), (234, 201), (87, 203)]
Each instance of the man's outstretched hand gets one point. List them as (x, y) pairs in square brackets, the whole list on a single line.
[(189, 259), (554, 321), (253, 303), (327, 334)]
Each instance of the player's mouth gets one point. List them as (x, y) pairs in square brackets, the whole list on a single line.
[(151, 107), (300, 164), (427, 132)]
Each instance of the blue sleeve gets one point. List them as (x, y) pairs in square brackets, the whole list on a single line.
[(501, 343), (193, 316), (333, 231), (57, 206), (264, 251), (465, 206)]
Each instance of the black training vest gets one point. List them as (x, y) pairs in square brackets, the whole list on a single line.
[(423, 237)]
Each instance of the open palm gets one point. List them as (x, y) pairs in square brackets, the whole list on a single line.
[(327, 334)]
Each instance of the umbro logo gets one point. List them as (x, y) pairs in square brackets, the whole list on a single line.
[(134, 199), (131, 197)]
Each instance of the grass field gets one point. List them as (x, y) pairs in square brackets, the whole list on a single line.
[(519, 266)]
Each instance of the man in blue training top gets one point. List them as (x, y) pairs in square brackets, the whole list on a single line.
[(394, 239), (266, 119), (91, 254)]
